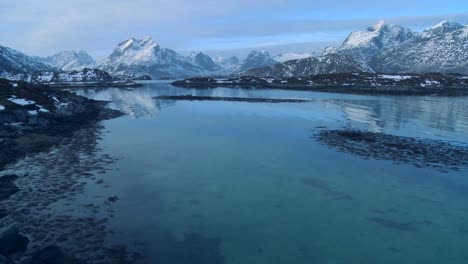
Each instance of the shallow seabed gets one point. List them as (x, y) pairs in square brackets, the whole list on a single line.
[(237, 182)]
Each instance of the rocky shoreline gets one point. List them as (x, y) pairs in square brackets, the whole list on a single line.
[(33, 120), (353, 83), (33, 117)]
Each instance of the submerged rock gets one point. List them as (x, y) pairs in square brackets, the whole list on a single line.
[(11, 241), (436, 154), (7, 187), (52, 255)]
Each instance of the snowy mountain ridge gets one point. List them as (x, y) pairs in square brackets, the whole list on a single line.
[(70, 60), (15, 62)]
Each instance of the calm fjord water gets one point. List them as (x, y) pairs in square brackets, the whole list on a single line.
[(250, 183)]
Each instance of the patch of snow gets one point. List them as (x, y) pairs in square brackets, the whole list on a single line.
[(431, 82), (45, 77), (2, 108), (43, 109), (20, 101), (291, 56), (59, 104), (395, 77), (33, 112)]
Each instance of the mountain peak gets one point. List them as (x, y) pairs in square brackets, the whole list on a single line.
[(447, 24), (441, 29), (137, 43), (378, 25), (255, 59), (375, 38)]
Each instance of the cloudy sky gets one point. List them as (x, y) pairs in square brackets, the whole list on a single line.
[(216, 26)]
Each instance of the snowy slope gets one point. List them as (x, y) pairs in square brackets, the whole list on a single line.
[(329, 63), (143, 56), (442, 48), (70, 60), (256, 59), (367, 43), (204, 61), (394, 49), (229, 64), (283, 57), (15, 62)]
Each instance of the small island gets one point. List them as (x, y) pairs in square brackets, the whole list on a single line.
[(357, 83)]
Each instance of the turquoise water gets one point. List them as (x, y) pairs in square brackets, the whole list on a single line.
[(252, 180)]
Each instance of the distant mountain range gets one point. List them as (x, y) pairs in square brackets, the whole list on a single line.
[(381, 48), (328, 63), (386, 49)]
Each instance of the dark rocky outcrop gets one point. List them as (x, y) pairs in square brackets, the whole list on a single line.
[(49, 115), (11, 241), (7, 187)]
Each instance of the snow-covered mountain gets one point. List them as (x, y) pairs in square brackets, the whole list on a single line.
[(283, 57), (70, 60), (137, 57), (394, 49), (229, 64), (256, 59), (387, 49), (442, 48), (325, 64), (204, 61), (15, 62), (367, 43)]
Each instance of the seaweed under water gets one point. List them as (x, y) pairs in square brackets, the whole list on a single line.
[(437, 154)]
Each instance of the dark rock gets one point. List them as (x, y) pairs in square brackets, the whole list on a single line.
[(5, 260), (11, 241), (3, 213), (52, 255), (113, 199), (7, 187)]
